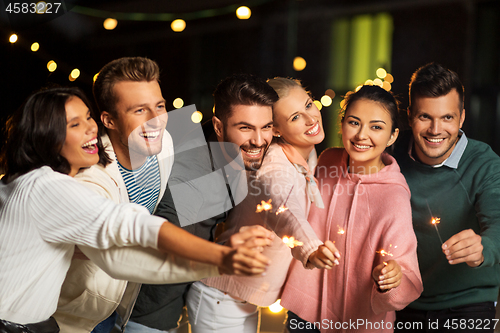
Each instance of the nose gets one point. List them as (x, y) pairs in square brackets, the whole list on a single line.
[(435, 127), (258, 139), (156, 119), (310, 120), (91, 126), (362, 133)]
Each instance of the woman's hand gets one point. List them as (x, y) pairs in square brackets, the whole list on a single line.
[(325, 256), (387, 275)]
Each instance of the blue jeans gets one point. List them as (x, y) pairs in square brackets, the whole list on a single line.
[(106, 325)]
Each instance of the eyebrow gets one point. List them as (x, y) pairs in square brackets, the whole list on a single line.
[(250, 125), (135, 106), (371, 121), (75, 118)]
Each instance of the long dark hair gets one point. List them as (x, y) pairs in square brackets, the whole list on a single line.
[(36, 132)]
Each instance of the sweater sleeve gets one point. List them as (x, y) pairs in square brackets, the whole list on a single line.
[(280, 184), (67, 212), (397, 236), (488, 212), (146, 265)]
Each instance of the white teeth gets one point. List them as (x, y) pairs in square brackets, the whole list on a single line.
[(150, 135), (435, 140), (314, 129), (361, 146), (253, 152), (90, 143)]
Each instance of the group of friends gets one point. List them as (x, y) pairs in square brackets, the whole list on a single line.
[(108, 215)]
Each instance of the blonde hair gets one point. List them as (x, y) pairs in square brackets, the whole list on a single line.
[(282, 85)]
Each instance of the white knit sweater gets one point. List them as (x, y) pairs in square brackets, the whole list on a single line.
[(42, 215)]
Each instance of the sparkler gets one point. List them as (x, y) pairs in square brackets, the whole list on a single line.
[(282, 208), (341, 231), (266, 207), (435, 221), (384, 253), (291, 242)]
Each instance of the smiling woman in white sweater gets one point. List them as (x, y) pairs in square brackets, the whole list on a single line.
[(44, 212)]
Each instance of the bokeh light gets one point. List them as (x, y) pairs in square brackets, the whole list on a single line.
[(35, 47), (299, 64), (389, 78), (110, 23), (368, 83), (331, 93), (75, 73), (381, 73), (178, 25), (95, 77), (326, 100), (387, 86), (243, 13), (377, 82), (196, 117), (318, 104), (51, 66), (13, 38), (178, 103)]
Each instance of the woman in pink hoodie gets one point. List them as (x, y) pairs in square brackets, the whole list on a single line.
[(368, 215)]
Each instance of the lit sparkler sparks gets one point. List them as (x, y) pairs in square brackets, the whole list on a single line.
[(264, 206), (283, 206), (435, 221), (384, 253), (341, 231), (291, 242)]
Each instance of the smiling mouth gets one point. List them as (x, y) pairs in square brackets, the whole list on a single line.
[(90, 146), (360, 146), (314, 130), (439, 140), (253, 153), (150, 135)]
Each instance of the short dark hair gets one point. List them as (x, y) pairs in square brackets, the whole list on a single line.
[(434, 80), (376, 94), (36, 132), (242, 89), (123, 69)]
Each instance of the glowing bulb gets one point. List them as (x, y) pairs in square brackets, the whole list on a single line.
[(51, 66), (243, 13), (326, 100), (275, 307), (196, 117), (318, 105), (110, 23), (377, 82), (178, 103), (95, 77), (299, 64), (389, 78), (13, 38), (178, 25), (386, 85), (381, 73), (35, 46), (75, 73)]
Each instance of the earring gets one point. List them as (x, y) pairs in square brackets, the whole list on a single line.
[(278, 135)]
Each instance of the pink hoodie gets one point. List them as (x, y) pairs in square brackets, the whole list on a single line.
[(374, 212)]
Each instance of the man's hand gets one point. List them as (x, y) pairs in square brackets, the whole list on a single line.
[(387, 275), (325, 256), (243, 255), (464, 247)]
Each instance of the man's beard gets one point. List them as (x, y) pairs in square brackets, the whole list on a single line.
[(253, 164)]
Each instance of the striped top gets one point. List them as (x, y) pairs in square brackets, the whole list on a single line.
[(43, 214), (143, 184)]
